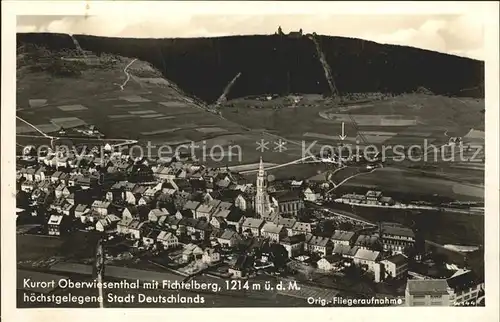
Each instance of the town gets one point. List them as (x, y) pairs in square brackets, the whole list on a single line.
[(193, 220)]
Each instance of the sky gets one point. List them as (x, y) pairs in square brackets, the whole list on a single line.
[(460, 35)]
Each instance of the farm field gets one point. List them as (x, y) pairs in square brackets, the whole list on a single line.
[(400, 180), (438, 226)]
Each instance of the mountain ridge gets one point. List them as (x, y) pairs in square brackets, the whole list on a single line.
[(282, 64)]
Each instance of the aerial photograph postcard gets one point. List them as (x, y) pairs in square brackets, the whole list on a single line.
[(210, 161)]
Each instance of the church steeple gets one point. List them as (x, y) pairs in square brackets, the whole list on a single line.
[(261, 167), (262, 205)]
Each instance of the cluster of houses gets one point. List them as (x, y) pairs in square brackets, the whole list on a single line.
[(186, 203), (206, 212)]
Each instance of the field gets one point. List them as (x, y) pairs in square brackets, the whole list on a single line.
[(400, 180), (438, 226), (397, 115)]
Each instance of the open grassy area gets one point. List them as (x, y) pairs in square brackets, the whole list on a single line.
[(400, 180)]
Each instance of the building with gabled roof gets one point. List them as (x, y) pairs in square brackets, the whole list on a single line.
[(343, 237), (254, 225), (395, 266), (272, 231), (229, 238)]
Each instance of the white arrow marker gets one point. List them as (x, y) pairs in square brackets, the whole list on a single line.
[(342, 136)]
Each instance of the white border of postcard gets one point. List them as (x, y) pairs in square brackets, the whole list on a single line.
[(12, 8)]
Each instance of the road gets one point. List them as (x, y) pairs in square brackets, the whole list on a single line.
[(277, 166), (122, 86), (349, 178)]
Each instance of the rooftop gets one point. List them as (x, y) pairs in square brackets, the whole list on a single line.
[(270, 227), (397, 259), (343, 235), (366, 254), (427, 287)]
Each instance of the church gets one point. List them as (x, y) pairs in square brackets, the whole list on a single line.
[(288, 203)]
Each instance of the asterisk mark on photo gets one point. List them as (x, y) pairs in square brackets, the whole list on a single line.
[(262, 145), (280, 145)]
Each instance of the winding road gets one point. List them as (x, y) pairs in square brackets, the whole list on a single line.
[(122, 86)]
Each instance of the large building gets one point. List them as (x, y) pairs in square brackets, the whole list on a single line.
[(431, 292), (262, 204), (288, 203), (396, 238)]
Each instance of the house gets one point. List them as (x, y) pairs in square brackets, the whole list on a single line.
[(150, 236), (342, 250), (270, 216), (373, 197), (59, 190), (465, 286), (210, 256), (235, 219), (135, 229), (367, 242), (81, 210), (191, 252), (252, 225), (203, 229), (71, 198), (130, 212), (309, 195), (204, 210), (155, 214), (190, 224), (108, 223), (67, 209), (396, 238), (58, 204), (327, 263), (102, 207), (229, 238), (241, 266), (171, 222), (45, 186), (368, 260), (191, 207), (387, 201), (27, 186), (427, 292), (342, 237), (294, 245), (223, 205), (122, 226), (145, 201), (395, 266), (301, 228), (218, 223), (287, 223), (167, 239), (273, 232), (57, 225), (320, 245)]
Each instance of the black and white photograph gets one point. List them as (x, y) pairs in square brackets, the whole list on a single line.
[(250, 160)]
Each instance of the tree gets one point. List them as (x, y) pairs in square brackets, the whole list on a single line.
[(279, 255)]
